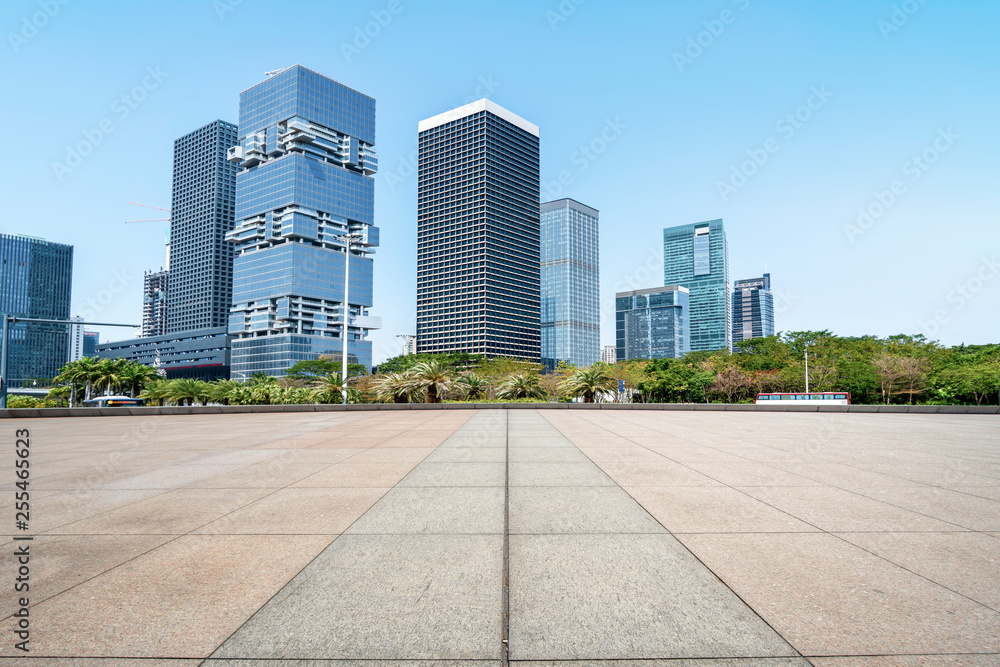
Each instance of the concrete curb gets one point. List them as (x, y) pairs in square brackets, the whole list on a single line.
[(44, 413)]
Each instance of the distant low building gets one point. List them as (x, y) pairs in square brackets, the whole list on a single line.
[(653, 323), (753, 308), (90, 341), (203, 354), (409, 345), (609, 354)]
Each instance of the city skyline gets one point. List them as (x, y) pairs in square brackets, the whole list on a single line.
[(794, 124)]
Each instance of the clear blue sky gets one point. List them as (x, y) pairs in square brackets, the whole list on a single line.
[(666, 121)]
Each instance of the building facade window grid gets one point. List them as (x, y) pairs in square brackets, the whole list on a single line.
[(753, 308), (307, 158), (684, 263), (36, 280), (570, 317), (478, 237)]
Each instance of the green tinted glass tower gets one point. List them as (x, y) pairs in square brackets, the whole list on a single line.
[(697, 257)]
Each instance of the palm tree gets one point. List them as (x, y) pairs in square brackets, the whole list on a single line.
[(329, 389), (433, 378), (71, 376), (83, 371), (109, 374), (134, 376), (395, 387), (221, 391), (156, 391), (258, 379), (186, 391), (473, 386), (521, 385), (587, 382)]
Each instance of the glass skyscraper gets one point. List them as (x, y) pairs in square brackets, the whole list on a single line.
[(36, 280), (571, 320), (652, 323), (697, 257), (478, 233), (201, 214), (307, 157), (753, 308)]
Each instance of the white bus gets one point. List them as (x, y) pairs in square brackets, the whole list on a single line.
[(114, 402), (822, 397)]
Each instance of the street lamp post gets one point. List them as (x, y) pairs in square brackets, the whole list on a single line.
[(348, 239), (807, 369)]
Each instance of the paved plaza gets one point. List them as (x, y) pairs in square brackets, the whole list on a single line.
[(482, 537)]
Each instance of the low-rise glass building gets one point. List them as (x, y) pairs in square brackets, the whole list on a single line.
[(653, 323)]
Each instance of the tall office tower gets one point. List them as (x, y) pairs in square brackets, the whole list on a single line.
[(201, 214), (571, 319), (753, 308), (653, 323), (478, 233), (154, 302), (74, 350), (609, 354), (307, 157), (697, 257), (36, 280)]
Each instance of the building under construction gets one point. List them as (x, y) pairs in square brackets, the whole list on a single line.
[(154, 302)]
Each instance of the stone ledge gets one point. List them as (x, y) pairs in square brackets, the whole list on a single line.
[(36, 413)]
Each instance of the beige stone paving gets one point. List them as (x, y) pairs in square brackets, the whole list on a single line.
[(863, 540)]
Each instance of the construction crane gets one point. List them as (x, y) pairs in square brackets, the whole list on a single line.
[(149, 219)]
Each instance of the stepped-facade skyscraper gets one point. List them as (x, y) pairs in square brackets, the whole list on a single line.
[(201, 214), (307, 161), (478, 235), (571, 319), (697, 257)]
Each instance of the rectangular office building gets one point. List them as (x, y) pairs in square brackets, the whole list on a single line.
[(652, 323), (201, 214), (478, 282), (307, 160), (697, 257), (36, 281), (753, 308), (202, 354), (571, 319)]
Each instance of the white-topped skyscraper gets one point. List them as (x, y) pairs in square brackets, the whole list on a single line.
[(571, 320), (307, 160), (478, 235)]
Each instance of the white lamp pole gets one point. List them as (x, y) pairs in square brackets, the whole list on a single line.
[(807, 369), (348, 239)]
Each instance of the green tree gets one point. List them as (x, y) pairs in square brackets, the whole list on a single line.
[(395, 388), (185, 391), (457, 362), (588, 382), (433, 378), (521, 385), (472, 386), (309, 370), (675, 381)]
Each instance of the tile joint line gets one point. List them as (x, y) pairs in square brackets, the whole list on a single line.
[(505, 597)]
